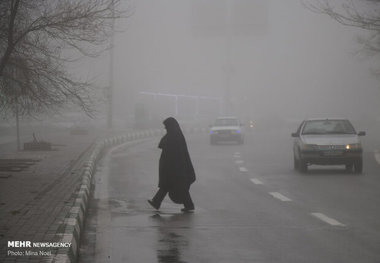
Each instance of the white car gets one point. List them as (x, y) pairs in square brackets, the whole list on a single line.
[(226, 129), (327, 142)]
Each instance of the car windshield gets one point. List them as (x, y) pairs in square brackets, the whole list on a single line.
[(226, 122), (328, 127)]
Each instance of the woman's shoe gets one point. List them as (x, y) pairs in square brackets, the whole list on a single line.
[(153, 204), (187, 209)]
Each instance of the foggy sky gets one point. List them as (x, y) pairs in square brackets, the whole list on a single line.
[(290, 63)]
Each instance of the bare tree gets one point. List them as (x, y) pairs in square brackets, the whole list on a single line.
[(363, 14), (35, 36)]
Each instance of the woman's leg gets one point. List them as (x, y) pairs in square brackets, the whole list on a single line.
[(187, 202), (159, 196)]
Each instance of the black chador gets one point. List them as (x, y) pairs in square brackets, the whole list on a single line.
[(176, 171)]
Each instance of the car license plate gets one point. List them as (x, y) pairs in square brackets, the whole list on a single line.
[(332, 153)]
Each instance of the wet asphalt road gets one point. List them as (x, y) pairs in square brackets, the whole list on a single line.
[(251, 206)]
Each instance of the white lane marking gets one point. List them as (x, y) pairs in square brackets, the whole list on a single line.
[(239, 161), (377, 156), (280, 196), (327, 219), (243, 169), (237, 153), (256, 181)]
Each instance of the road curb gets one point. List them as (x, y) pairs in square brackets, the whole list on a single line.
[(73, 224)]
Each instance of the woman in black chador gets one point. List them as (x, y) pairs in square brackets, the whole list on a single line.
[(176, 172)]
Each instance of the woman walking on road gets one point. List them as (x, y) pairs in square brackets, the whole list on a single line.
[(176, 172)]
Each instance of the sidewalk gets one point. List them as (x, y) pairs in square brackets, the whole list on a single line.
[(36, 196)]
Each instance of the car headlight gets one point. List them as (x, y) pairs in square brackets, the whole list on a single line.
[(353, 146), (310, 147)]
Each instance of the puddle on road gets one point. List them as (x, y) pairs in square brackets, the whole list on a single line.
[(119, 206), (170, 247), (169, 227), (138, 214)]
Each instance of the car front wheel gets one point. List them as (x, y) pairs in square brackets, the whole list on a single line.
[(296, 163), (349, 167), (302, 166), (358, 166)]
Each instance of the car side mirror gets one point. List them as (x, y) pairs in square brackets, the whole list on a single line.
[(294, 134), (361, 133)]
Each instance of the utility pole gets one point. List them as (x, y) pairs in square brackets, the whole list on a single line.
[(16, 109), (17, 126), (111, 75)]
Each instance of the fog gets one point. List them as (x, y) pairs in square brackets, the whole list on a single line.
[(255, 59)]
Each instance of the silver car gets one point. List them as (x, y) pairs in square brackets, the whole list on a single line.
[(226, 129), (327, 142)]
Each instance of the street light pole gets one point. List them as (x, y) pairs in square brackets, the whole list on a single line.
[(228, 68)]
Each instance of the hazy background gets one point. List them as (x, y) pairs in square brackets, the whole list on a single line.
[(272, 58)]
